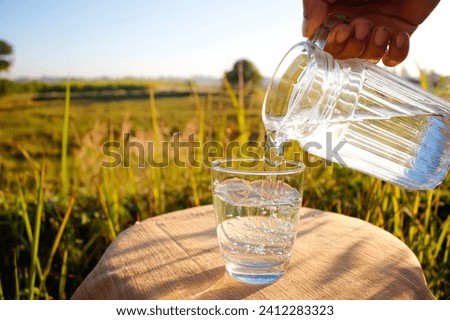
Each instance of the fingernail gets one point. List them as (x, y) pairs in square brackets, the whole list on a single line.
[(362, 30), (342, 35), (401, 40), (381, 36)]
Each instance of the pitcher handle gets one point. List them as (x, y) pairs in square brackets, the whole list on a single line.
[(321, 35)]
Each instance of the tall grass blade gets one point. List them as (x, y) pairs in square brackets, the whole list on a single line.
[(36, 233), (200, 113), (16, 276), (106, 209), (56, 242), (23, 212), (65, 142), (241, 86), (194, 185), (428, 209), (195, 172), (36, 166), (154, 114), (63, 278), (209, 112), (444, 234), (445, 260), (156, 173), (242, 125)]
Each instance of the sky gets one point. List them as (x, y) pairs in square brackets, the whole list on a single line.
[(172, 38)]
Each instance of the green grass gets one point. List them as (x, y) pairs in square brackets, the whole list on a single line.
[(59, 209)]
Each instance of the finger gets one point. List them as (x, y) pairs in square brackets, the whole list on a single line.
[(337, 38), (377, 45), (314, 15), (398, 49), (358, 40)]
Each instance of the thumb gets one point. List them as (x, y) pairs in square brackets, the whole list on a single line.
[(315, 12)]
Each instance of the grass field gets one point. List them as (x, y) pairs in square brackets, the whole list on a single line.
[(60, 208)]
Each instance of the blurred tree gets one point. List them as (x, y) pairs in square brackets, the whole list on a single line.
[(250, 74), (5, 51)]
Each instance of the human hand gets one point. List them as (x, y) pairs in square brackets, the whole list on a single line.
[(376, 29)]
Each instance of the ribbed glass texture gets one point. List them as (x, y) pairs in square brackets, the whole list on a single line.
[(361, 116)]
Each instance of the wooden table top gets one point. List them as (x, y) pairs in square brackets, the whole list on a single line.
[(176, 256)]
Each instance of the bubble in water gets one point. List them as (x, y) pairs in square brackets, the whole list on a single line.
[(285, 236), (285, 226), (259, 249)]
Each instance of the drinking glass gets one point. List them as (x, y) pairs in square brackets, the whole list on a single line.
[(257, 206)]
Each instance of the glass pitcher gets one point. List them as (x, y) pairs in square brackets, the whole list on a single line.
[(359, 115)]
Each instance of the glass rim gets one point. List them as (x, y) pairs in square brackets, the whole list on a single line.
[(304, 48), (216, 165)]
